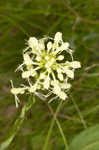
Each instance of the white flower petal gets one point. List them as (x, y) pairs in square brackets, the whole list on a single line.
[(42, 76), (70, 73), (41, 44), (62, 95), (46, 83), (75, 64), (33, 88), (60, 57), (58, 37), (25, 74), (56, 89), (49, 46), (60, 76), (65, 85), (16, 91), (33, 42), (27, 59), (38, 58), (59, 70), (65, 46)]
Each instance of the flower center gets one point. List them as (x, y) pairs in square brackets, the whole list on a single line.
[(47, 61), (50, 63)]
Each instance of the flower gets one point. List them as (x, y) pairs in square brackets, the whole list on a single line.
[(46, 67)]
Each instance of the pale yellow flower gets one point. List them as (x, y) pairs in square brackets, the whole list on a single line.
[(46, 68)]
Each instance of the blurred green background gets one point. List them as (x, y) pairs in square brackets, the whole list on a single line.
[(78, 21)]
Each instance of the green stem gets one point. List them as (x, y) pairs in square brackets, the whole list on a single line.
[(51, 127), (62, 134), (79, 113), (17, 125)]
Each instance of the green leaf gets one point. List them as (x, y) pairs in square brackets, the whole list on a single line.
[(86, 140)]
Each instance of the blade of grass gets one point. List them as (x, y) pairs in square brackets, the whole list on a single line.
[(60, 128), (55, 24), (51, 128), (79, 113), (5, 34), (32, 24), (26, 12), (62, 134), (12, 21)]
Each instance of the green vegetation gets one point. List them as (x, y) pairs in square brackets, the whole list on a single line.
[(78, 21)]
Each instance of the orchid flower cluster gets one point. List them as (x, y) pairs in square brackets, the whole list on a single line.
[(46, 68)]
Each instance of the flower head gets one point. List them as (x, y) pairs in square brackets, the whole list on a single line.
[(46, 68)]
